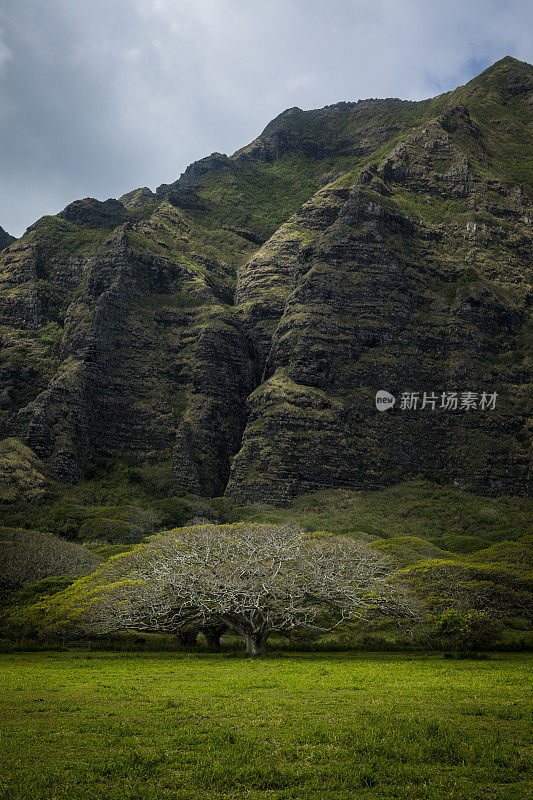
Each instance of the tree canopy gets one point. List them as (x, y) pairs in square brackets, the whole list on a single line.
[(30, 556), (254, 578)]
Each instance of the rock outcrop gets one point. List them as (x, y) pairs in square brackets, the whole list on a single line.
[(23, 476)]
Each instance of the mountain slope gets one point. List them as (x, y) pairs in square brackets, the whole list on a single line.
[(5, 239), (232, 328)]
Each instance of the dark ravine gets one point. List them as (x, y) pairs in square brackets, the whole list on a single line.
[(235, 325)]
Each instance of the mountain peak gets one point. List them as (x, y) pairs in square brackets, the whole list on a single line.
[(508, 77)]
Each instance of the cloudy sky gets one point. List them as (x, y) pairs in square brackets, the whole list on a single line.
[(100, 96)]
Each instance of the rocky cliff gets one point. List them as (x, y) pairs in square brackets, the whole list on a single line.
[(234, 326)]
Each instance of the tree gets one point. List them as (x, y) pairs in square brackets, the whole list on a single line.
[(187, 634), (252, 578), (30, 556)]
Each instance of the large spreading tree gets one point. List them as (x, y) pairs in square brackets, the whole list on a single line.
[(255, 579), (30, 556)]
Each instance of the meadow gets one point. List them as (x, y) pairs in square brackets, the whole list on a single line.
[(307, 725)]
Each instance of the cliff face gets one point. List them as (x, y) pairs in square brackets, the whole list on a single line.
[(234, 326)]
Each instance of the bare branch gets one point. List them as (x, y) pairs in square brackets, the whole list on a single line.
[(254, 578)]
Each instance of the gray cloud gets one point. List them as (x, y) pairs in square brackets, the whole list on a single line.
[(99, 97)]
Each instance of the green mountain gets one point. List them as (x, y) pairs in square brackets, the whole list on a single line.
[(227, 334)]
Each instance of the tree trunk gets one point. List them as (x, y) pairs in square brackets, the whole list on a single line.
[(187, 636), (212, 635), (255, 643)]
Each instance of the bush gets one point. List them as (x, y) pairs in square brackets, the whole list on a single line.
[(473, 630)]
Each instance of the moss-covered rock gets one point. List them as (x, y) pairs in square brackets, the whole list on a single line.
[(23, 476)]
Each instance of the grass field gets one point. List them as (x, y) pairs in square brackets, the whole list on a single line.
[(148, 726)]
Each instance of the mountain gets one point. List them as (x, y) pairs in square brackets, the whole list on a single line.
[(5, 239), (229, 331)]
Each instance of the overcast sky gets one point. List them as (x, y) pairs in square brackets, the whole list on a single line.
[(101, 96)]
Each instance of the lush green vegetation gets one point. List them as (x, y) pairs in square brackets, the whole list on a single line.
[(82, 725), (414, 508), (454, 520), (453, 548)]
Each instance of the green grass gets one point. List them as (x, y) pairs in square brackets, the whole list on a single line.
[(308, 726)]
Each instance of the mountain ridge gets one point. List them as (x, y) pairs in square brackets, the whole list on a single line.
[(233, 326)]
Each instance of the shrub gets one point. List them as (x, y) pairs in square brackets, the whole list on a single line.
[(472, 630)]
